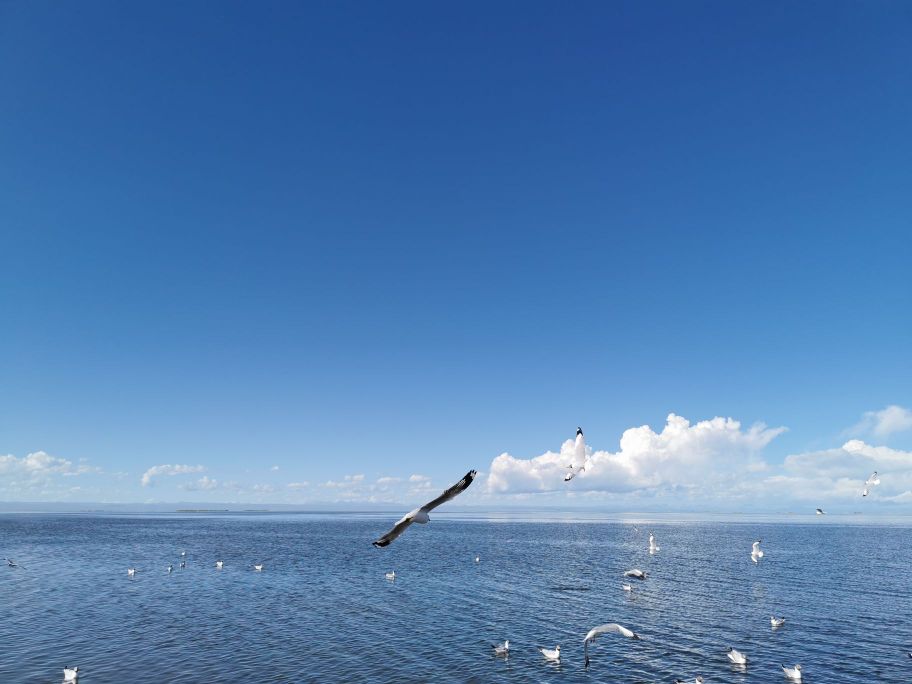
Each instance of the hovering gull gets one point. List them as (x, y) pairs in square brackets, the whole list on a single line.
[(550, 653), (420, 515), (131, 572), (579, 454), (777, 622), (258, 568), (10, 563), (698, 680), (873, 480), (792, 672), (864, 492), (390, 575), (653, 547), (603, 629), (737, 657), (627, 587), (820, 511), (70, 674), (503, 649), (579, 431), (756, 553), (639, 574), (170, 568), (219, 564)]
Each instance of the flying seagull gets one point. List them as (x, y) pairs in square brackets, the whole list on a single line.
[(579, 431), (502, 649), (70, 674), (820, 511), (737, 657), (604, 629), (420, 515), (653, 546), (756, 553), (873, 480), (550, 653), (793, 673), (10, 563), (639, 574)]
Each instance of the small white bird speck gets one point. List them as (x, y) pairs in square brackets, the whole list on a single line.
[(131, 572), (70, 674), (219, 564), (502, 649), (793, 673), (258, 568), (777, 622), (390, 575), (736, 657), (550, 653)]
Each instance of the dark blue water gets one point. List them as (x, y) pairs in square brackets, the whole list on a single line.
[(322, 611)]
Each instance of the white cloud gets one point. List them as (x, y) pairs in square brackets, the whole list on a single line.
[(263, 488), (419, 478), (682, 456), (274, 468), (347, 481), (155, 471), (204, 483), (40, 466), (298, 485), (885, 422), (839, 474), (388, 480)]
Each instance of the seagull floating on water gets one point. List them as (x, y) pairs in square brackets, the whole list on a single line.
[(698, 680), (604, 629), (777, 622), (477, 559), (503, 649), (737, 657), (420, 515), (170, 568), (390, 575), (258, 568), (639, 574), (792, 672), (131, 572), (70, 674), (627, 587), (756, 553), (550, 653), (219, 564)]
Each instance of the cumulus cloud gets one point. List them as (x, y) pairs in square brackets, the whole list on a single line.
[(680, 456), (347, 481), (155, 471), (263, 488), (883, 423), (419, 478), (839, 474), (297, 486), (388, 480), (38, 468)]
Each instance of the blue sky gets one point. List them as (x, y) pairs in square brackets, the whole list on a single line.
[(403, 239)]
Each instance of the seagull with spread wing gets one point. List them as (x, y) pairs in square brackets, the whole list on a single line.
[(420, 515), (604, 629)]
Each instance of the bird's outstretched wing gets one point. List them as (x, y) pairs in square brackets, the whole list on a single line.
[(452, 492), (398, 529)]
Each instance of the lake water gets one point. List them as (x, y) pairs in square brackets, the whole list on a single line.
[(322, 610)]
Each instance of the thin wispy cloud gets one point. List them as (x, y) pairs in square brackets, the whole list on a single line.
[(883, 423), (148, 477)]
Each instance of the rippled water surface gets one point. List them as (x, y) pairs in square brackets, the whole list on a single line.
[(322, 610)]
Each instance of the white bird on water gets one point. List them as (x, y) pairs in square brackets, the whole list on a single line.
[(756, 553), (605, 629), (639, 574), (793, 673), (550, 653), (390, 575), (478, 559), (70, 674), (736, 657), (170, 568), (627, 587), (131, 572), (777, 622), (698, 680), (258, 568), (219, 564), (502, 649), (420, 515)]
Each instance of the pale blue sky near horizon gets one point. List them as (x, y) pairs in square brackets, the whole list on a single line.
[(401, 239)]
